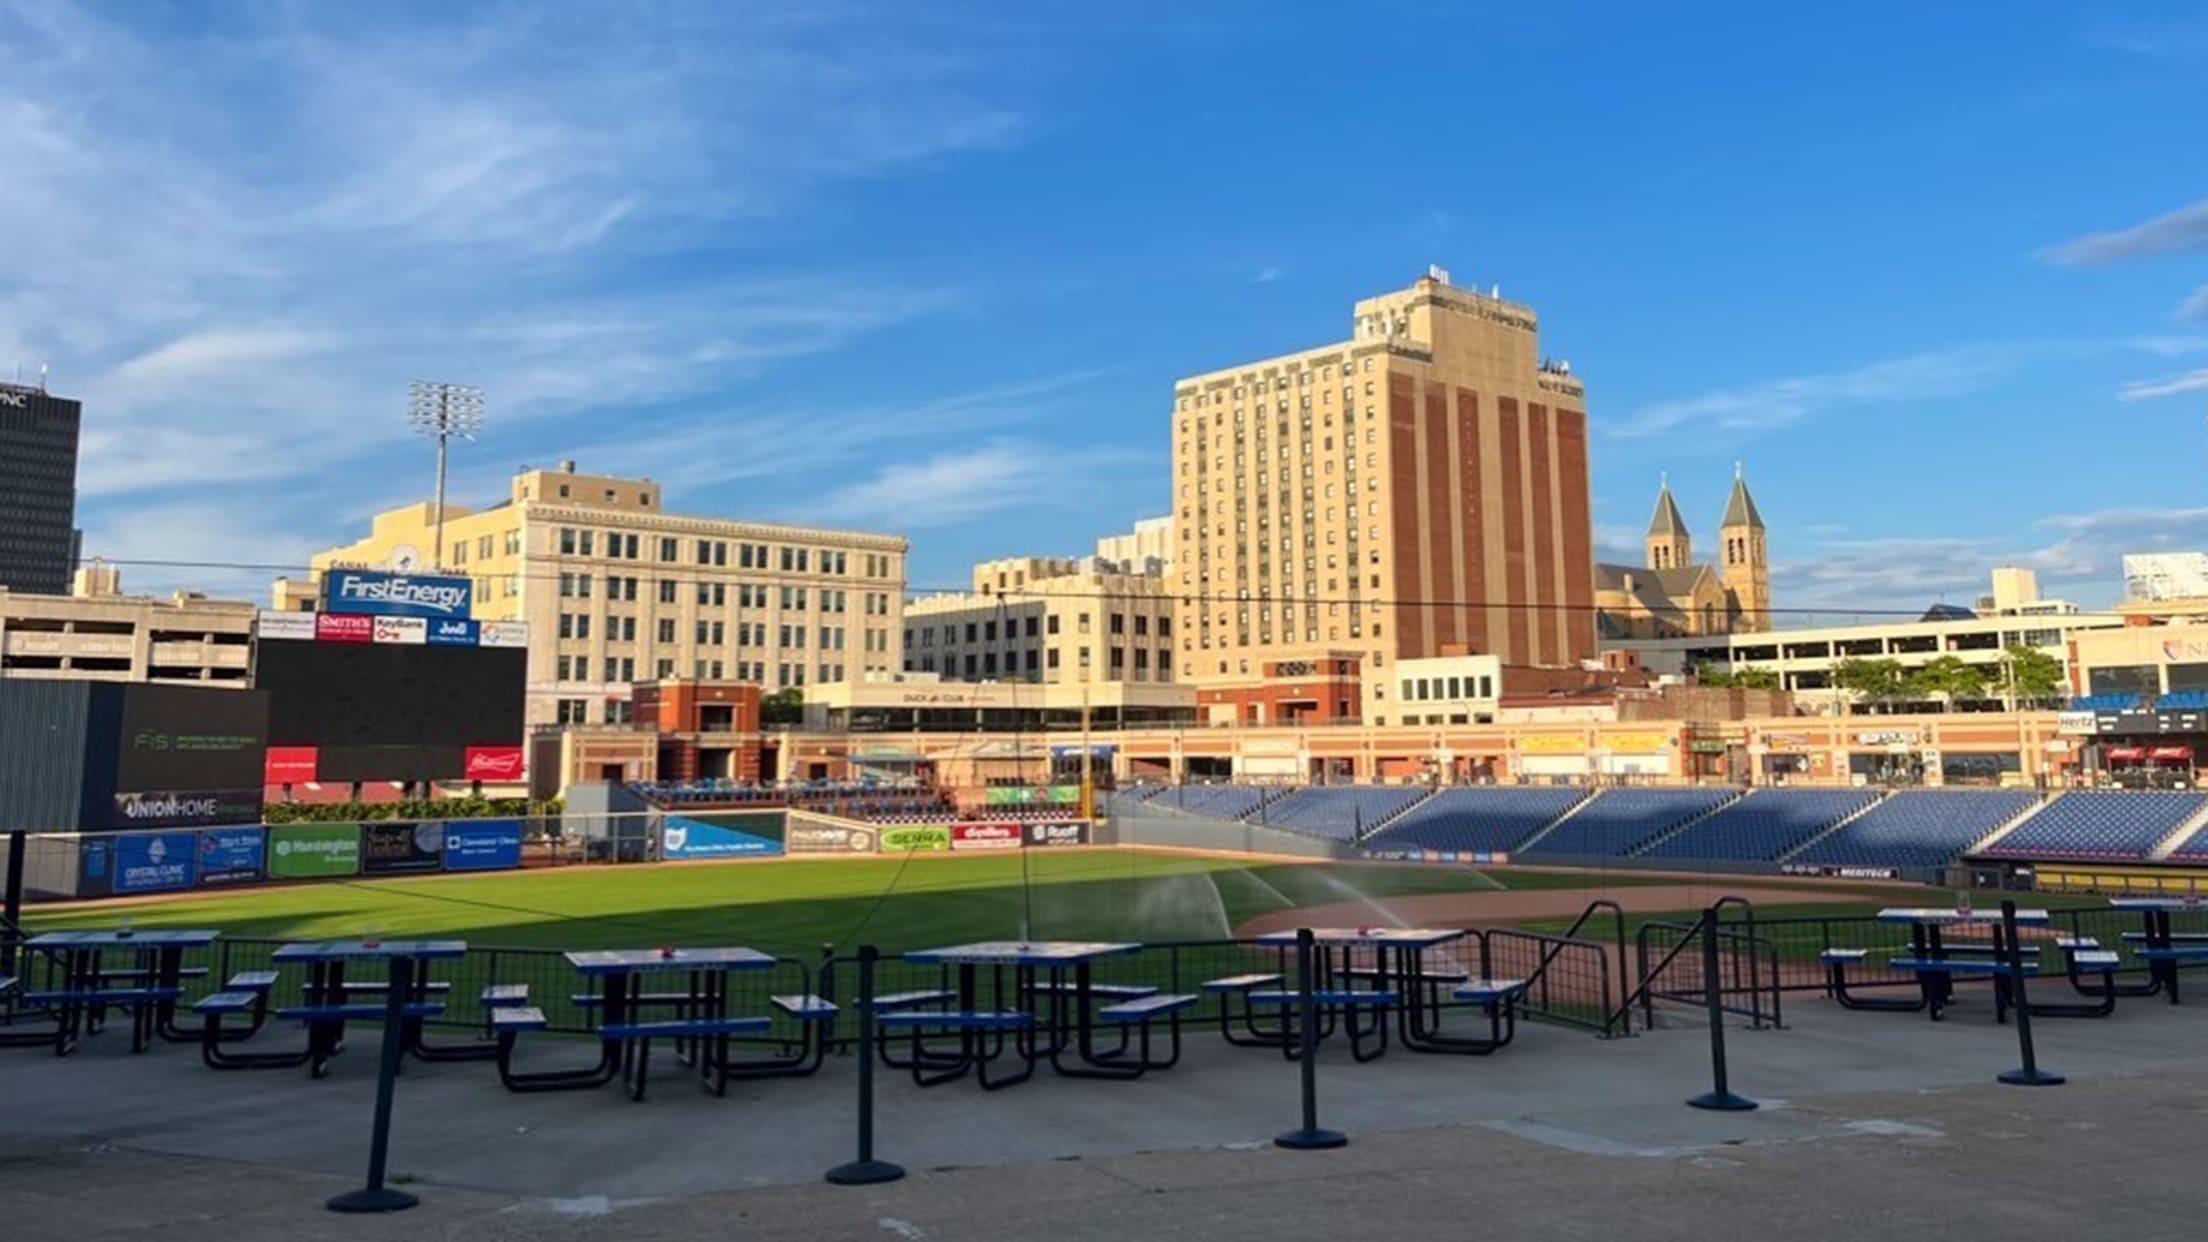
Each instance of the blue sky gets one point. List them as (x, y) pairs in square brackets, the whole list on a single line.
[(1937, 273)]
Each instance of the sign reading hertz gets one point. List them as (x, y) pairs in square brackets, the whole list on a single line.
[(362, 591)]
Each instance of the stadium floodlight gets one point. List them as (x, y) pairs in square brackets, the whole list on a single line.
[(441, 411)]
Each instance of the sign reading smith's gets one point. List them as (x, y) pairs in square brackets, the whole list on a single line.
[(372, 593)]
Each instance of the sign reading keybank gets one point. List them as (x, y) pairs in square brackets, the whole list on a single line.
[(297, 851)]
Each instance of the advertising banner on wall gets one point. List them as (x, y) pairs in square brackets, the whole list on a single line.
[(493, 763), (502, 634), (177, 808), (820, 838), (684, 838), (483, 845), (411, 630), (1048, 834), (401, 846), (986, 836), (313, 851), (337, 627), (293, 626), (289, 765), (151, 862), (231, 855), (1019, 795), (95, 866), (906, 838), (452, 633), (370, 593)]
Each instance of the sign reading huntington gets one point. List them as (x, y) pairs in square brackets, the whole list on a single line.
[(368, 592)]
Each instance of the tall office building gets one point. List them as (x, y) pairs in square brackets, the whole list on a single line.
[(38, 489), (1417, 490), (617, 591)]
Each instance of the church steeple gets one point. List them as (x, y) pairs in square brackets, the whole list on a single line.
[(1669, 544), (1746, 567)]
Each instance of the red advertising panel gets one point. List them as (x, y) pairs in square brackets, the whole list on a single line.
[(2180, 753), (344, 627), (493, 763), (2127, 752), (985, 836), (289, 765)]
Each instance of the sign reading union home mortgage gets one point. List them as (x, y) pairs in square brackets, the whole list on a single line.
[(366, 591)]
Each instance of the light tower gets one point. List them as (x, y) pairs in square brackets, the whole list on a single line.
[(441, 411)]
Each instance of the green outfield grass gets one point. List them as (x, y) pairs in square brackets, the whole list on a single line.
[(795, 906)]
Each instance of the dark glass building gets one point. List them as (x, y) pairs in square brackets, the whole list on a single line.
[(38, 489)]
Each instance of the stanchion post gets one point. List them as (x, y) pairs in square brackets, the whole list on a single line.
[(2029, 1074), (1720, 1097), (866, 1170), (375, 1196), (1309, 1137), (11, 899)]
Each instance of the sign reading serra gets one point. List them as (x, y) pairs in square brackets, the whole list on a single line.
[(372, 593)]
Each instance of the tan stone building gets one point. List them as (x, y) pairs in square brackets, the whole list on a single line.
[(616, 590), (1147, 549), (100, 634), (1047, 621), (1420, 486), (1673, 595)]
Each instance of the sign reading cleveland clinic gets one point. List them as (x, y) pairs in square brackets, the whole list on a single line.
[(367, 591)]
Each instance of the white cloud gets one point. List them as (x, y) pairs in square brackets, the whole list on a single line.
[(2191, 381), (239, 250), (1267, 274), (949, 488), (217, 548), (1777, 403), (2177, 232), (2196, 306)]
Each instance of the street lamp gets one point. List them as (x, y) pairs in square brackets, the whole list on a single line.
[(441, 411)]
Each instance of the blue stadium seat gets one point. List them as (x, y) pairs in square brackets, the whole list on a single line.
[(1218, 801), (2183, 701), (1762, 826), (1340, 811), (2104, 702), (1918, 828), (1476, 819), (1620, 821), (2125, 824)]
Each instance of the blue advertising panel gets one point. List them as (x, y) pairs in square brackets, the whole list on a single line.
[(483, 845), (231, 855), (682, 837), (368, 592), (147, 862), (447, 632)]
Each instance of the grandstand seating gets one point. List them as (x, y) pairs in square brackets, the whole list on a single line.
[(1763, 825), (1220, 801), (2183, 701), (1620, 821), (2104, 702), (2100, 824), (2193, 849), (1476, 819), (1917, 828), (1340, 811)]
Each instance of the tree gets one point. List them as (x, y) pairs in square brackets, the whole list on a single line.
[(1757, 679), (1947, 679), (783, 707), (1878, 682), (2029, 675), (1708, 674)]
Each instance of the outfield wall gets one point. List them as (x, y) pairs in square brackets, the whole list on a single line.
[(1138, 826)]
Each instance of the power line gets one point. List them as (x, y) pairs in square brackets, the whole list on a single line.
[(1200, 598)]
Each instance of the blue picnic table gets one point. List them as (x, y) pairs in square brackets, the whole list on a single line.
[(148, 988), (1056, 976)]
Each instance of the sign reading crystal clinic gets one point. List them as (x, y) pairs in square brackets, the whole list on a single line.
[(453, 633), (483, 845), (493, 763), (684, 838), (907, 838), (289, 765), (231, 855), (285, 625), (1042, 835), (365, 591), (401, 846), (316, 851), (985, 836), (149, 862), (335, 627)]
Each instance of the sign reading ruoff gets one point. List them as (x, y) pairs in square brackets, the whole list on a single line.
[(395, 595)]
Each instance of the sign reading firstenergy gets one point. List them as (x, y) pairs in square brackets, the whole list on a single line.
[(365, 591)]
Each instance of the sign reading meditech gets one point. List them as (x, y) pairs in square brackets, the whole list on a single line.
[(396, 595)]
